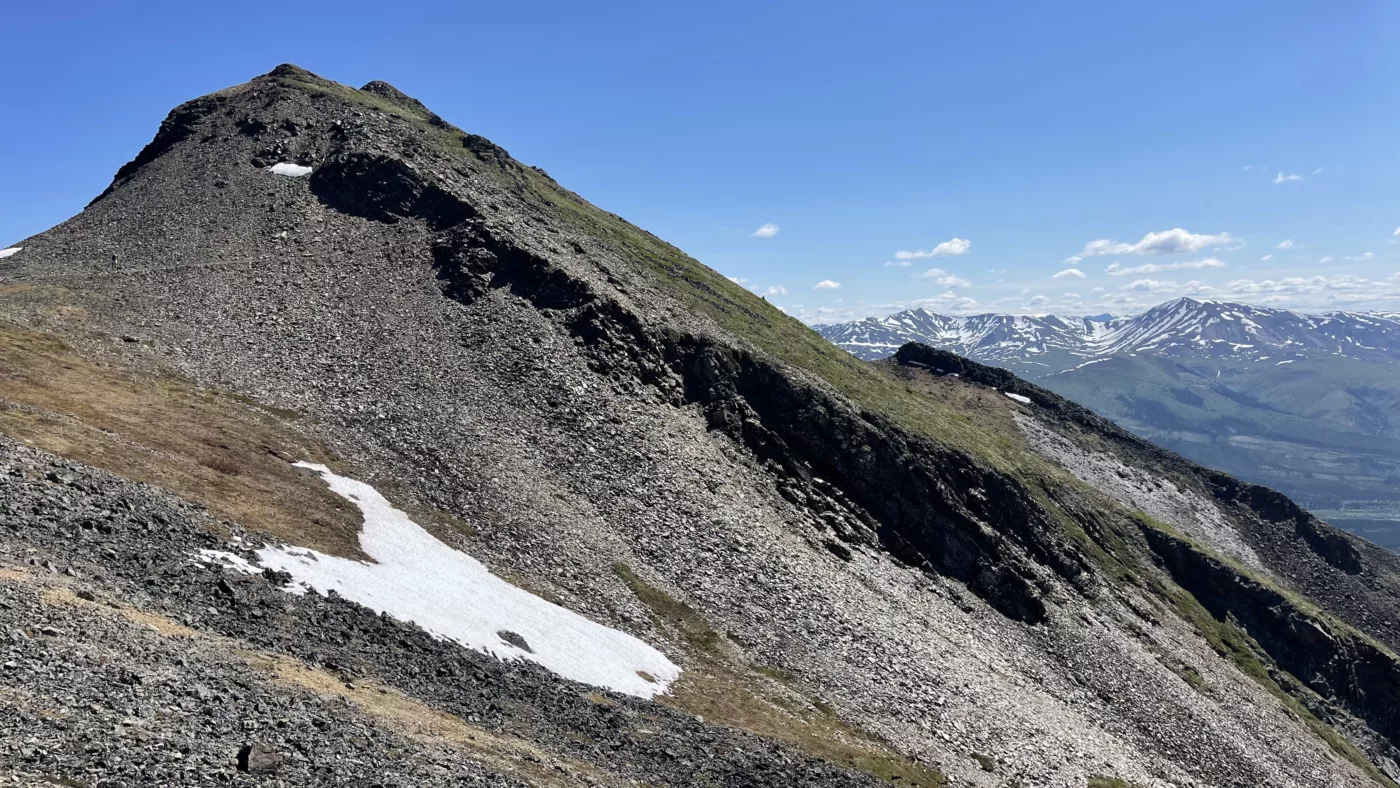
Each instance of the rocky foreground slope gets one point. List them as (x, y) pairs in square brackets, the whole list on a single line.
[(866, 573)]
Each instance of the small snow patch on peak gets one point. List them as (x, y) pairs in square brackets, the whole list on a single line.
[(13, 250), (290, 170), (1021, 398)]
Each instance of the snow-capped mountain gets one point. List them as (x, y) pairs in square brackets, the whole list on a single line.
[(1303, 403), (1185, 327)]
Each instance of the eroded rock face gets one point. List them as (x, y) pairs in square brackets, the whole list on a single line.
[(385, 189)]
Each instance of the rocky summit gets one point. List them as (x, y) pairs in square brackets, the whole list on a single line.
[(318, 360)]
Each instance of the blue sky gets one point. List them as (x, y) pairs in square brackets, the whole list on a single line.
[(993, 143)]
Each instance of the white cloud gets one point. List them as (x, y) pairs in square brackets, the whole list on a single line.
[(1286, 243), (1175, 241), (1321, 260), (736, 280), (1153, 268), (1301, 290), (827, 284), (1069, 273), (1039, 300), (766, 231), (1281, 178), (951, 248), (1150, 286), (1266, 258), (1397, 232), (1317, 171), (944, 278), (1097, 290), (897, 264), (946, 302), (1364, 256), (1074, 258), (776, 290)]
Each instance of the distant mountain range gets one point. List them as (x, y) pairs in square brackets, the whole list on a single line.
[(1308, 404)]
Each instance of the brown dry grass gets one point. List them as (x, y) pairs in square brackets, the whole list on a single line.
[(214, 448), (424, 723)]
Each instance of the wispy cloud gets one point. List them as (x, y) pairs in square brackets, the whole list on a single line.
[(1318, 171), (766, 231), (1069, 273), (897, 264), (1150, 286), (776, 290), (827, 284), (1153, 268), (1266, 258), (1360, 258), (950, 248), (736, 280), (944, 278), (946, 302), (1287, 243), (1167, 242), (1299, 291), (1281, 178)]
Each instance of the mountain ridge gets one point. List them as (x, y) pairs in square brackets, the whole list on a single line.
[(1208, 321), (866, 573), (1299, 402)]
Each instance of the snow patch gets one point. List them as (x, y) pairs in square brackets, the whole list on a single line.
[(290, 170), (13, 250), (1021, 398), (417, 578), (231, 560)]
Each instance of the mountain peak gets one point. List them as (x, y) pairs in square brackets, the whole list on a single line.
[(395, 96), (291, 71), (1182, 303), (1183, 327)]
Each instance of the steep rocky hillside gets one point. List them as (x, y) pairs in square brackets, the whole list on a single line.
[(860, 574)]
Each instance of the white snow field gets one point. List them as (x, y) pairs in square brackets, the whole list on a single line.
[(290, 170), (12, 250), (233, 561), (417, 578), (1021, 398)]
